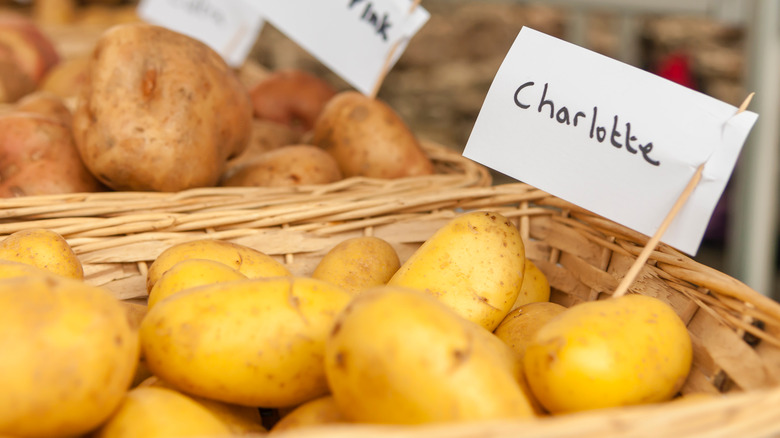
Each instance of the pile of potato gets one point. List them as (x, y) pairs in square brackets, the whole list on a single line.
[(463, 330), (150, 109)]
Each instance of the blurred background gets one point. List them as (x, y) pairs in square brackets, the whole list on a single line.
[(723, 48)]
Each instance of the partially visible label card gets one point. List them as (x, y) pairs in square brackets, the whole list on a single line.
[(230, 27), (354, 38), (611, 138)]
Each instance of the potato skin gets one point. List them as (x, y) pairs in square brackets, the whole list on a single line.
[(44, 249), (475, 264), (609, 353), (47, 104), (287, 166), (358, 264), (257, 342), (368, 138), (68, 356), (535, 287), (399, 356), (158, 412), (291, 97), (38, 157), (248, 261), (160, 111), (191, 273)]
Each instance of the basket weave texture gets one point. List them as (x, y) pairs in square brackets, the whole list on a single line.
[(735, 330)]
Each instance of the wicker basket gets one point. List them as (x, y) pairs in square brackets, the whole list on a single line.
[(734, 328)]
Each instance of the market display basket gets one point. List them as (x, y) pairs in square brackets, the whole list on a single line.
[(734, 328)]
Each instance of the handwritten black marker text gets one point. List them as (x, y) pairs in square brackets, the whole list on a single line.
[(619, 133)]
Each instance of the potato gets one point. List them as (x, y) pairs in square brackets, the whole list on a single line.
[(43, 249), (266, 136), (38, 157), (474, 264), (368, 138), (67, 78), (316, 412), (609, 353), (68, 356), (161, 111), (287, 166), (521, 324), (14, 82), (27, 45), (190, 273), (253, 342), (535, 287), (46, 104), (399, 356), (154, 412), (292, 97), (240, 420), (358, 263), (248, 261), (12, 269)]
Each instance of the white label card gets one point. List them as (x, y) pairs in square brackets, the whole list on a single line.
[(354, 38), (230, 27), (611, 138)]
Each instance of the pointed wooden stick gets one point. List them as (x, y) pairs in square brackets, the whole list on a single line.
[(651, 244), (389, 60)]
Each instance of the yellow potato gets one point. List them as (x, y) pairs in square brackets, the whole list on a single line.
[(257, 342), (153, 412), (609, 353), (474, 264), (43, 248), (322, 410), (535, 287), (520, 325), (10, 269), (358, 264), (399, 356), (191, 273), (239, 419), (68, 356), (250, 262)]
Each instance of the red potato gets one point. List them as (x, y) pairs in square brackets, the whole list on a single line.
[(29, 47), (14, 82), (292, 97), (38, 157), (47, 104)]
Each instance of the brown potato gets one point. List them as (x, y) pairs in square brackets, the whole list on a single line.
[(292, 165), (161, 111), (38, 157), (292, 97), (368, 138)]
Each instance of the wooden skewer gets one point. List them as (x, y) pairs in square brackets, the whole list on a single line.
[(651, 244), (389, 59)]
